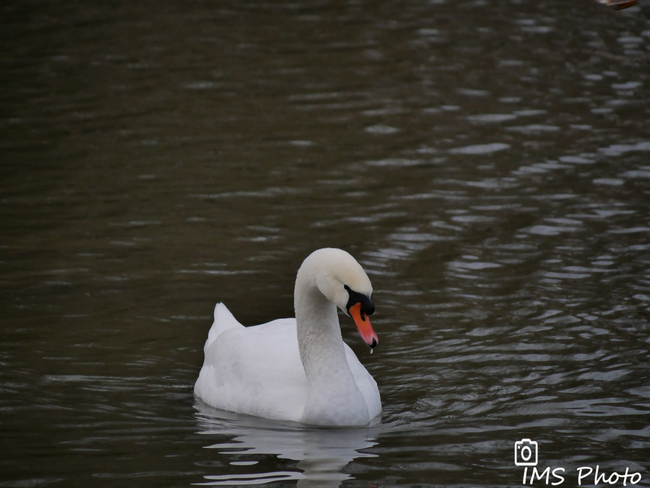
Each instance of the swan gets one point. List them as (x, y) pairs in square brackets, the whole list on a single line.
[(297, 369)]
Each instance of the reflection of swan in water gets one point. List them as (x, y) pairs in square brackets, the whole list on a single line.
[(321, 453)]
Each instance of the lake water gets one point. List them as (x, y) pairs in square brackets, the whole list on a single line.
[(488, 163)]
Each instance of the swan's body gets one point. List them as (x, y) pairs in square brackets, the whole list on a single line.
[(297, 369)]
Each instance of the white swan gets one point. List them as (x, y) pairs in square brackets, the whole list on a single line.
[(297, 369)]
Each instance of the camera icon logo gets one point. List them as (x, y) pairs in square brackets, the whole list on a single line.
[(526, 453)]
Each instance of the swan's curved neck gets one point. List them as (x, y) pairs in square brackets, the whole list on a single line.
[(332, 389), (319, 334)]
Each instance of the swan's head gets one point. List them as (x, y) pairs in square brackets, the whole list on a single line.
[(343, 281)]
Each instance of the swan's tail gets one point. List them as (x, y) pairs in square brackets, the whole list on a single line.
[(223, 320)]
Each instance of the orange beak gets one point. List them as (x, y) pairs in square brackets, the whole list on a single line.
[(363, 324)]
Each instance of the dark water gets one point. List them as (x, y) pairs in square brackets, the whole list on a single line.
[(488, 162)]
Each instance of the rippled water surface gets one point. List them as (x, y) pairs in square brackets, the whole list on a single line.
[(488, 162)]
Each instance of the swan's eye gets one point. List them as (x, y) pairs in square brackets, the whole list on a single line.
[(367, 307)]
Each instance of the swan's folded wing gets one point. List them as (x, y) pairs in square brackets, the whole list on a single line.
[(256, 371), (365, 382)]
